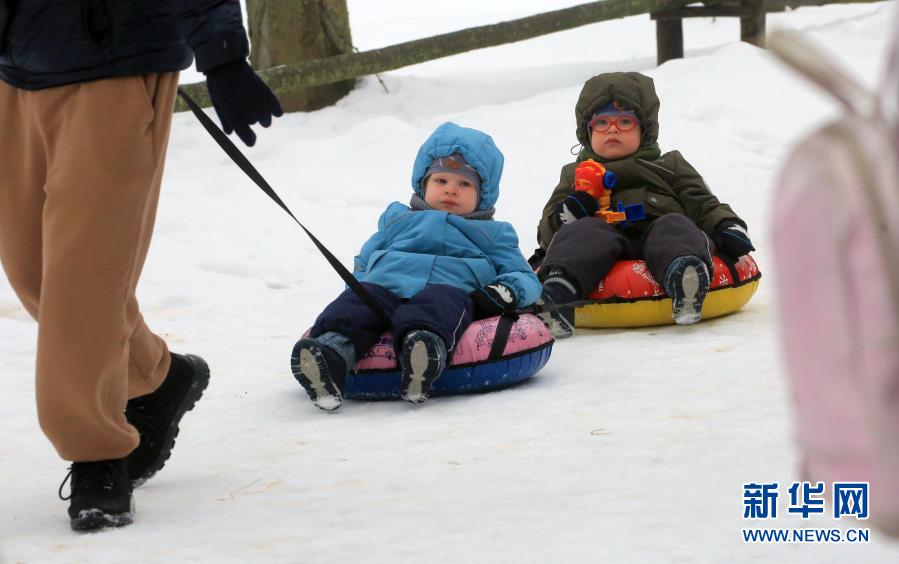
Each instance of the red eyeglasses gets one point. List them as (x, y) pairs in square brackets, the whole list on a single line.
[(623, 123)]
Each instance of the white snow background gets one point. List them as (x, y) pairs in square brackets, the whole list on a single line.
[(630, 446)]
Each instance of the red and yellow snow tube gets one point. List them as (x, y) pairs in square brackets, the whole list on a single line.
[(630, 297)]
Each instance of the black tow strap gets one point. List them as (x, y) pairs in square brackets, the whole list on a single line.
[(240, 160), (501, 335), (536, 309)]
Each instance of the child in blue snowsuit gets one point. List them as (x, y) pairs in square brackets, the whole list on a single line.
[(432, 267)]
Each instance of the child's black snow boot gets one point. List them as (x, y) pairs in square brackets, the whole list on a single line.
[(156, 416), (321, 371), (687, 282), (558, 289), (101, 495), (422, 360)]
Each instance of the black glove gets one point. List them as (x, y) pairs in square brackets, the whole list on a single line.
[(731, 239), (240, 98), (492, 300), (577, 205)]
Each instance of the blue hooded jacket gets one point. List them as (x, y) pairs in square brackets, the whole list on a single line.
[(413, 249)]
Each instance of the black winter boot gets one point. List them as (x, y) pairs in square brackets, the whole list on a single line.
[(687, 282), (156, 416), (558, 289), (101, 495), (321, 371), (422, 360)]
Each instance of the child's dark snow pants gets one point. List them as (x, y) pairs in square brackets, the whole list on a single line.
[(444, 310), (587, 249)]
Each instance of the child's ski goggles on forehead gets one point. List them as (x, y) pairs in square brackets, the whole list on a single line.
[(624, 121)]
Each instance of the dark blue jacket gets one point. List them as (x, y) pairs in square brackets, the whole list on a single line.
[(53, 42)]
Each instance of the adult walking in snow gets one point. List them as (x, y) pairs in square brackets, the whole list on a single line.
[(86, 101)]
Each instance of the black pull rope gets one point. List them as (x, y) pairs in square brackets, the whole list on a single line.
[(501, 335), (240, 160)]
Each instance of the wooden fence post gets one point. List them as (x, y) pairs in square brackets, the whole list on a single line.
[(669, 38), (752, 26)]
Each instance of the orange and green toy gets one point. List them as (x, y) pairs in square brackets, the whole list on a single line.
[(593, 178)]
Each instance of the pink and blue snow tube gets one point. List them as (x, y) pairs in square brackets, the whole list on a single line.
[(473, 367)]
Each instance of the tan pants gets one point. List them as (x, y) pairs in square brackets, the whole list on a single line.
[(80, 169)]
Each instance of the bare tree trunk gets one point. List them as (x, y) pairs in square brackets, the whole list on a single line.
[(289, 32)]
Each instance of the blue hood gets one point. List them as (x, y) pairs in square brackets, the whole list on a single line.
[(478, 149)]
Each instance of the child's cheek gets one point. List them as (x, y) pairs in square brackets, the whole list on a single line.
[(595, 142)]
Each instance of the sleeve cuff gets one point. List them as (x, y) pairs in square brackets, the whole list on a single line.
[(223, 49)]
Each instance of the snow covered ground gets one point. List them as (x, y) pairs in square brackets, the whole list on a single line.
[(630, 446)]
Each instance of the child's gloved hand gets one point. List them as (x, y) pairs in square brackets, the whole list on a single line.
[(492, 300), (240, 99), (731, 239), (577, 205)]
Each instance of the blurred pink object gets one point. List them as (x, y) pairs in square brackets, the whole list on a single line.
[(836, 245)]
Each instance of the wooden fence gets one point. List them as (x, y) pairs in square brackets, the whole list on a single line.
[(667, 13)]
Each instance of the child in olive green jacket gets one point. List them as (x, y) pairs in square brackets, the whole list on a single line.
[(684, 223)]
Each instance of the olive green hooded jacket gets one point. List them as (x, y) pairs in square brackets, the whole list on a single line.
[(661, 183)]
